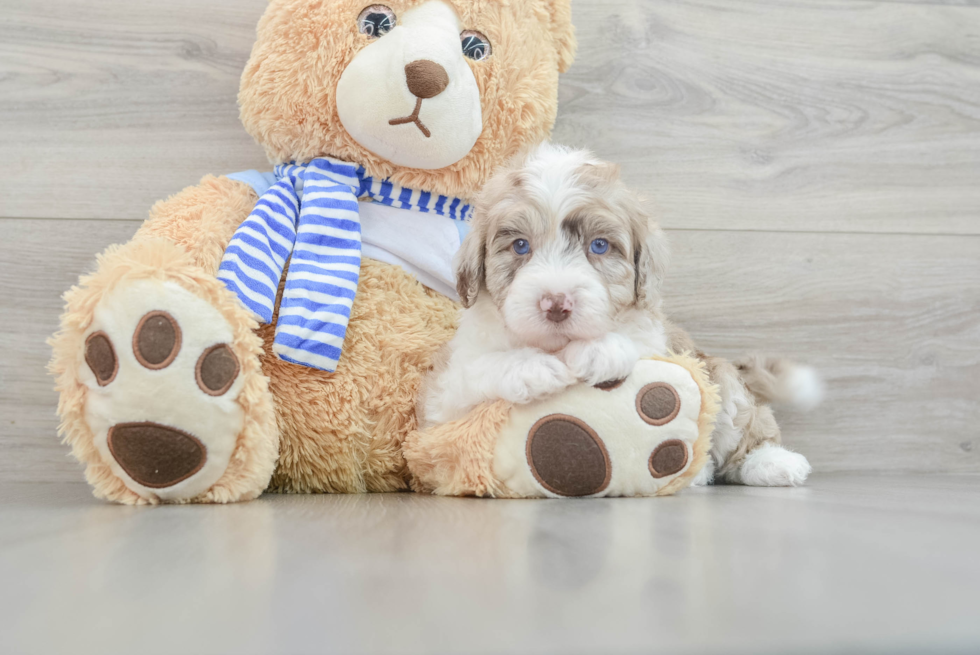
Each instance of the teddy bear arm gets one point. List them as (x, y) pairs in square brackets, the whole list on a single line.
[(456, 458), (201, 219), (646, 435)]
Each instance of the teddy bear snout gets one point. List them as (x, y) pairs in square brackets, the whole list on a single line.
[(426, 79)]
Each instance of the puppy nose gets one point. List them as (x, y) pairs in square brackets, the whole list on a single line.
[(426, 79), (557, 307)]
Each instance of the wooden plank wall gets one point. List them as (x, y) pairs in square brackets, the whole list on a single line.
[(816, 163)]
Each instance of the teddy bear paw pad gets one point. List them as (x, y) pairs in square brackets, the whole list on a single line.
[(630, 437), (163, 383), (155, 455), (658, 403), (567, 457), (101, 358), (156, 340), (668, 458)]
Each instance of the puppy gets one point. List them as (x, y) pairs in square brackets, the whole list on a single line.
[(560, 278)]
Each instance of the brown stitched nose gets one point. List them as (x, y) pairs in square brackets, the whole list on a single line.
[(154, 455), (556, 307), (426, 79)]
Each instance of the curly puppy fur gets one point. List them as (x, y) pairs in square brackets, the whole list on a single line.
[(561, 276)]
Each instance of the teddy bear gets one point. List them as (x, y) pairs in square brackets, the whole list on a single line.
[(270, 331)]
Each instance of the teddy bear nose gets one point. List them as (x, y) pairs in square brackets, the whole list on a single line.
[(426, 79)]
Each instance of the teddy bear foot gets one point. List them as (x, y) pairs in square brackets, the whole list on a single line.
[(646, 435), (164, 380)]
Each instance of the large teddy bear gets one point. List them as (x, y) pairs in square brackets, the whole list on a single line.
[(271, 331)]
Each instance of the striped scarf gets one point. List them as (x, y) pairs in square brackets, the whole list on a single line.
[(310, 218)]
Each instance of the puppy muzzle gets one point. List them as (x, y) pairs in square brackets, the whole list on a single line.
[(556, 307)]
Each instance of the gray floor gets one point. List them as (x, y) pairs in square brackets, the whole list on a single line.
[(850, 563)]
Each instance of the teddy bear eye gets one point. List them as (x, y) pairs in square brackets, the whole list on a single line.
[(475, 45), (375, 21)]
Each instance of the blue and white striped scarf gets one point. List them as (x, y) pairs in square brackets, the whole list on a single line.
[(311, 215)]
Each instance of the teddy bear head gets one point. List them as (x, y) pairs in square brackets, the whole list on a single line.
[(434, 94)]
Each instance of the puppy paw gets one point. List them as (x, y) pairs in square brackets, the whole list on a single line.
[(537, 376), (774, 466), (601, 360)]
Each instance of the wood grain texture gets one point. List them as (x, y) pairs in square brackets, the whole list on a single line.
[(832, 115), (829, 115), (46, 261), (891, 321), (107, 106)]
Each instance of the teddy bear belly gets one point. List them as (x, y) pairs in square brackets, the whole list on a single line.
[(342, 432)]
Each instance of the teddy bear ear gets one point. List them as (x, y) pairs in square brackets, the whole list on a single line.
[(560, 16)]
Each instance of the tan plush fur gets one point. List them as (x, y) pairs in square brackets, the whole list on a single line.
[(288, 88), (339, 432), (201, 219), (456, 458), (342, 432)]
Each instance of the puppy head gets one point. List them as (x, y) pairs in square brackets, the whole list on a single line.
[(561, 247)]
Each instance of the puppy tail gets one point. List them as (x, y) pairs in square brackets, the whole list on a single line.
[(781, 381)]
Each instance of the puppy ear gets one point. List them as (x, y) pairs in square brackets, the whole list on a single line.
[(469, 264), (560, 20), (599, 175), (651, 256)]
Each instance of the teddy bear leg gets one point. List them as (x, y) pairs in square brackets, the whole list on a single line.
[(645, 435), (163, 396)]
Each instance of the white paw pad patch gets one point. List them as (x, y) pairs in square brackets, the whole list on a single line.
[(630, 437), (163, 385)]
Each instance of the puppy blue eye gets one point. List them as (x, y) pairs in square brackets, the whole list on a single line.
[(599, 246), (522, 247)]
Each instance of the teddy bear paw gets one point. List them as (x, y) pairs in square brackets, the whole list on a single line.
[(640, 436), (163, 383)]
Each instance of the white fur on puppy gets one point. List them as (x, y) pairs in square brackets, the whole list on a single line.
[(611, 357), (770, 465), (560, 275), (549, 276)]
